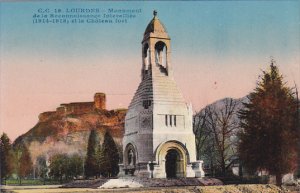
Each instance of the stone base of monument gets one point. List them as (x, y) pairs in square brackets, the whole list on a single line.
[(139, 171), (190, 173), (121, 171), (157, 172), (197, 168), (126, 171), (121, 183), (193, 170), (153, 170), (137, 182), (142, 170)]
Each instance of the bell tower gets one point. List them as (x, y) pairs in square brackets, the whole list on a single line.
[(156, 47), (158, 140)]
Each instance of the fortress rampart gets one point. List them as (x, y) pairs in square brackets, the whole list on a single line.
[(99, 103), (45, 115)]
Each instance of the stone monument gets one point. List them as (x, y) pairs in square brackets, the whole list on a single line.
[(159, 141)]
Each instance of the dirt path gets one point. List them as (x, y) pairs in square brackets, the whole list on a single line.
[(190, 189)]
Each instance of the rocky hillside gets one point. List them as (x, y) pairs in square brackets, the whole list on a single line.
[(68, 132), (67, 129)]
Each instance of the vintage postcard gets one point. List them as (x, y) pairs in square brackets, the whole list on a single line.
[(143, 94)]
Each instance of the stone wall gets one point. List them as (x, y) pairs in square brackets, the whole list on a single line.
[(77, 107), (46, 115), (61, 110)]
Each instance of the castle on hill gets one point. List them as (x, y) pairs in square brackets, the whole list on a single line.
[(99, 103)]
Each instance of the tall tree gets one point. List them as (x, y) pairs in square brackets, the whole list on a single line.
[(215, 128), (298, 107), (205, 144), (58, 166), (223, 126), (99, 158), (270, 122), (201, 132), (75, 166), (6, 157), (41, 168), (90, 166), (109, 159), (23, 162)]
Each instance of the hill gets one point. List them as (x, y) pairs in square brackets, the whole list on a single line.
[(67, 129)]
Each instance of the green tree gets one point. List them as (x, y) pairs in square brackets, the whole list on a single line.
[(270, 123), (23, 161), (64, 167), (41, 167), (58, 166), (90, 166), (74, 168), (109, 158), (6, 157), (99, 157)]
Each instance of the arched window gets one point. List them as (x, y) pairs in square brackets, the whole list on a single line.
[(161, 56), (146, 56), (130, 155)]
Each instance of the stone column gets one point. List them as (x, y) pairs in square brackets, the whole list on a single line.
[(142, 170), (190, 173), (159, 170), (197, 167)]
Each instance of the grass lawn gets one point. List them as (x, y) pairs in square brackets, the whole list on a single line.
[(26, 182)]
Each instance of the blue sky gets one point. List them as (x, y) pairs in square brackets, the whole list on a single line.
[(218, 50), (225, 28)]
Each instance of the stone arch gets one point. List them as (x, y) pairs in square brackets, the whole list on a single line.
[(130, 155), (161, 55), (163, 151), (173, 163)]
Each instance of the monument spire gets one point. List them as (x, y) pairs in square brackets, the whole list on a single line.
[(154, 13)]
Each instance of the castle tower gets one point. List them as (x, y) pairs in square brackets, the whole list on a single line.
[(100, 101), (159, 140)]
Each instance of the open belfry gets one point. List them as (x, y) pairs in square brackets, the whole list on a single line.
[(158, 140)]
